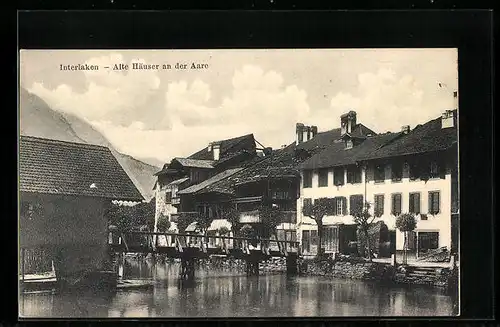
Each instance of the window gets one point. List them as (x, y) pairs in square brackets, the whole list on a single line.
[(379, 173), (340, 206), (396, 204), (168, 197), (379, 205), (356, 204), (307, 179), (396, 172), (280, 195), (348, 144), (433, 203), (307, 202), (353, 175), (323, 177), (433, 170), (414, 205), (414, 171), (338, 176)]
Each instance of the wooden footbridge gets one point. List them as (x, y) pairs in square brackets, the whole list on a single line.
[(191, 247)]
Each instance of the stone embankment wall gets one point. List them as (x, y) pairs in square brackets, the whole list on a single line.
[(351, 268), (273, 265), (359, 268)]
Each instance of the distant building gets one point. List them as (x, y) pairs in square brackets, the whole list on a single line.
[(65, 189), (199, 169), (410, 171)]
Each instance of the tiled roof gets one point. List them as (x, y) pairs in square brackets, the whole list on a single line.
[(337, 155), (178, 181), (200, 186), (227, 147), (280, 163), (429, 137), (195, 163), (57, 167)]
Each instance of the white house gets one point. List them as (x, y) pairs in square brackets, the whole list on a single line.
[(410, 171)]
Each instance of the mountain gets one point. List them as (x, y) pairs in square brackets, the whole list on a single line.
[(38, 119)]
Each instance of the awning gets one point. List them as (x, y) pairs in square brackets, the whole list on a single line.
[(192, 227), (218, 223)]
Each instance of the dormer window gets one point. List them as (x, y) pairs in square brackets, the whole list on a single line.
[(348, 144)]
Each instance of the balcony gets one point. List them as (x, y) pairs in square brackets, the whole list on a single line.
[(174, 217), (252, 217), (249, 217)]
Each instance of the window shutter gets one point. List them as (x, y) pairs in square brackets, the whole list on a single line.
[(344, 206), (398, 197), (416, 205), (436, 202), (431, 204)]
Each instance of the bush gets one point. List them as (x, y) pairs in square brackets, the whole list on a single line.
[(163, 224)]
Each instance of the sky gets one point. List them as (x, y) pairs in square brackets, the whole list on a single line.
[(169, 113)]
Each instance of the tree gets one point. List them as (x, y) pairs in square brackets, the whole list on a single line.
[(364, 219), (204, 222), (127, 218), (184, 220), (163, 224), (270, 217), (233, 216), (406, 222), (316, 211)]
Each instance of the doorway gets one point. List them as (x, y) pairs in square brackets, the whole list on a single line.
[(427, 241)]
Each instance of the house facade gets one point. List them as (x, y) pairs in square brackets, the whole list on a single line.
[(197, 171), (65, 189), (413, 171)]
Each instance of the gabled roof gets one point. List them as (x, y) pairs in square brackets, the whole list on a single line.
[(429, 137), (227, 147), (337, 155), (281, 163), (66, 168), (200, 186), (194, 163)]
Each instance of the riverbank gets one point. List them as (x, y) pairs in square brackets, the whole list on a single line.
[(362, 269), (344, 267)]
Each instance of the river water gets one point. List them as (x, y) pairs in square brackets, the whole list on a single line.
[(225, 293)]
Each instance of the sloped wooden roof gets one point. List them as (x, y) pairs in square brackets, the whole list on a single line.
[(429, 137), (66, 168)]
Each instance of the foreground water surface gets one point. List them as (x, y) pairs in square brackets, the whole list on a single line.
[(225, 293)]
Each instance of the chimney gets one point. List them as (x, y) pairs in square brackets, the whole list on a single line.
[(448, 119), (455, 100), (347, 122), (216, 150), (299, 133), (405, 129), (314, 131), (209, 149), (307, 132), (268, 151)]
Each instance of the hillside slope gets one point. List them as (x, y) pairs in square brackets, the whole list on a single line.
[(38, 119)]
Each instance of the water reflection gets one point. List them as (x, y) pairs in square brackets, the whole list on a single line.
[(222, 293)]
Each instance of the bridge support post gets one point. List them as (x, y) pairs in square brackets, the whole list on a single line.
[(291, 264), (187, 268), (252, 262)]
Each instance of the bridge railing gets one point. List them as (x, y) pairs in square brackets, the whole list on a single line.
[(204, 242)]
